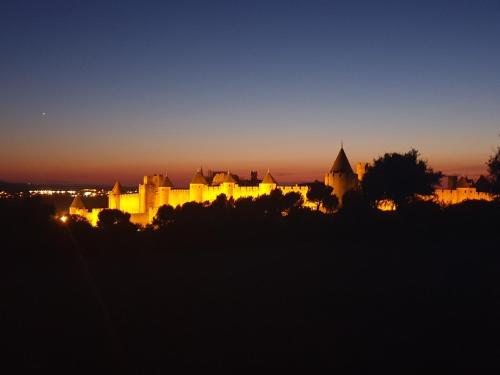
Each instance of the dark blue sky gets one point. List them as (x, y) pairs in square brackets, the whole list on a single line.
[(131, 88)]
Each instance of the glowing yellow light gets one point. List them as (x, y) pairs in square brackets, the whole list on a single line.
[(63, 218), (386, 205)]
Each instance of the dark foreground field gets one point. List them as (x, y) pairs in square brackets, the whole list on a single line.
[(418, 289)]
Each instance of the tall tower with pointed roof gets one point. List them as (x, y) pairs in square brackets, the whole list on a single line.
[(341, 177)]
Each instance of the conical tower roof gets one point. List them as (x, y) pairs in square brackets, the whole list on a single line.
[(463, 183), (77, 202), (341, 163), (166, 182), (229, 178), (198, 178), (117, 188), (269, 179), (481, 180), (482, 184)]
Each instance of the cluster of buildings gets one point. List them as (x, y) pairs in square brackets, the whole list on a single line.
[(460, 189), (158, 190)]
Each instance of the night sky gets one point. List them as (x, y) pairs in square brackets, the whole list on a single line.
[(98, 91)]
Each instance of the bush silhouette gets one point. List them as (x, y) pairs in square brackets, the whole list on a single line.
[(292, 201), (354, 201), (399, 177), (330, 203), (78, 224), (112, 219), (494, 171), (164, 217), (320, 193)]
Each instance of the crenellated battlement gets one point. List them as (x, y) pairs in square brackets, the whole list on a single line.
[(157, 190), (454, 196)]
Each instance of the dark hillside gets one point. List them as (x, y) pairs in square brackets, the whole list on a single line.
[(414, 290)]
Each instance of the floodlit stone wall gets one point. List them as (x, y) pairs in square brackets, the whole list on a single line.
[(454, 196), (142, 206), (129, 203)]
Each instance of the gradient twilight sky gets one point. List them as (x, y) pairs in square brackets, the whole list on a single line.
[(134, 88)]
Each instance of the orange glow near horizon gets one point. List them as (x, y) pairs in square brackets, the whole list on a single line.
[(294, 171), (244, 90), (294, 157)]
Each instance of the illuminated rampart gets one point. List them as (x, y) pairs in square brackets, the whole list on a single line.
[(157, 190)]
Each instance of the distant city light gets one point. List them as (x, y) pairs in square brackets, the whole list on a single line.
[(51, 192), (73, 193), (63, 218), (87, 193)]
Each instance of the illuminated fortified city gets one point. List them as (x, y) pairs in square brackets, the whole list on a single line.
[(157, 190)]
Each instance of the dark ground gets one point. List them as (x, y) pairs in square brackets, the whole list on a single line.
[(415, 290)]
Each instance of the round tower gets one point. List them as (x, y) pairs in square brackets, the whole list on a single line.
[(196, 186), (77, 207), (268, 184), (114, 196), (341, 176), (228, 185), (164, 191)]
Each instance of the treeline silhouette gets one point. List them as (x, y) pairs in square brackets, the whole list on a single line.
[(252, 284), (257, 284)]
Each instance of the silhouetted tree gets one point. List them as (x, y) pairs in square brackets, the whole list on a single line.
[(221, 202), (399, 177), (245, 207), (292, 200), (78, 223), (320, 193), (494, 171), (190, 211), (483, 184), (114, 220), (271, 204), (164, 217), (354, 201), (330, 203)]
